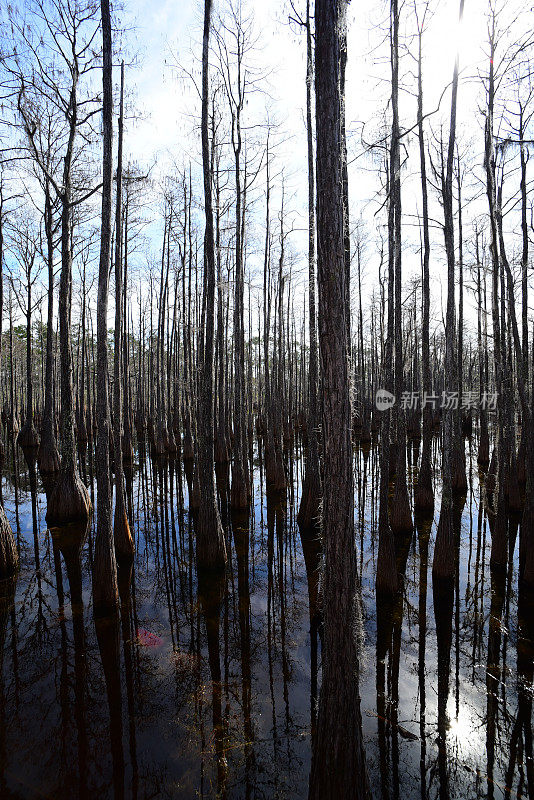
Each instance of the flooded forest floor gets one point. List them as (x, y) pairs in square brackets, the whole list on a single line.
[(210, 691)]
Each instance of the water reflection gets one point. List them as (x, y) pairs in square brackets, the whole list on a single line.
[(240, 527), (7, 597), (69, 541), (210, 593), (206, 685)]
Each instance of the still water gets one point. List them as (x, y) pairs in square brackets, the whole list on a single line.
[(207, 688)]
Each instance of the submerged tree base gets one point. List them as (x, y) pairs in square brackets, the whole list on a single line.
[(309, 514), (124, 544), (400, 514), (424, 492), (28, 436), (69, 500), (48, 456), (9, 557)]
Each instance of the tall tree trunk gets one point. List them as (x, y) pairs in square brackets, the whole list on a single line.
[(48, 456), (124, 546), (459, 477), (9, 557), (308, 515), (483, 445), (386, 567), (424, 493), (443, 563), (497, 511), (269, 443), (338, 765), (400, 514), (127, 447), (28, 436), (524, 369), (240, 492), (221, 442), (69, 500), (526, 541), (105, 590), (211, 550)]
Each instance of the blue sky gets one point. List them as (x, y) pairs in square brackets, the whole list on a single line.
[(169, 33), (164, 38)]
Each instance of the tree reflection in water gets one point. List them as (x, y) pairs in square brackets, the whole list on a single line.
[(219, 697)]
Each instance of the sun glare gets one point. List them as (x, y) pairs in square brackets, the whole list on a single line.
[(448, 37)]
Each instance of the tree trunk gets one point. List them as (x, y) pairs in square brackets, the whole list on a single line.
[(443, 563), (240, 492), (211, 550), (499, 549), (48, 456), (338, 766), (28, 436), (424, 492), (124, 546), (9, 558), (400, 517), (308, 515), (69, 500), (105, 590), (483, 444)]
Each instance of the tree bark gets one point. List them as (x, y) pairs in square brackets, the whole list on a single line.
[(338, 766), (400, 513), (308, 515), (211, 550), (443, 563), (424, 493), (9, 558), (105, 590), (48, 456), (124, 546), (69, 500)]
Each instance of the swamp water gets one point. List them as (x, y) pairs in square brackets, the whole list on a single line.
[(207, 688)]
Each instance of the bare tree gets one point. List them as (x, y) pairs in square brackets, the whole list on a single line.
[(124, 546), (236, 87), (211, 550), (105, 590), (24, 250), (424, 493), (68, 32), (9, 557), (443, 563), (308, 516), (339, 706)]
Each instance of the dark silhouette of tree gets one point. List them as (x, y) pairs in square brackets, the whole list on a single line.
[(211, 550), (105, 590), (338, 766)]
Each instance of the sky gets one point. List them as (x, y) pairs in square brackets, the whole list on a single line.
[(168, 42), (161, 44), (171, 35)]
